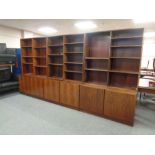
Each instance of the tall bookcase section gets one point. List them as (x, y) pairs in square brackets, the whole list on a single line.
[(55, 57), (97, 57), (73, 57), (26, 56), (39, 50), (126, 49)]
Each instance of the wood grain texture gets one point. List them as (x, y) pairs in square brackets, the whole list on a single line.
[(92, 99), (69, 93), (26, 84), (37, 84), (52, 90), (119, 105), (32, 85)]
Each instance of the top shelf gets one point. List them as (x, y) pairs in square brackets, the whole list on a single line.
[(26, 46), (40, 47), (124, 46), (73, 43), (132, 37), (96, 58), (58, 45)]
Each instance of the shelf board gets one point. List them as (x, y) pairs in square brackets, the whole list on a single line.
[(126, 58), (125, 72), (78, 63), (73, 43), (41, 66), (40, 47), (55, 64), (129, 89), (28, 74), (27, 56), (58, 45), (26, 46), (55, 54), (40, 57), (131, 37), (96, 83), (71, 71), (73, 52), (55, 77), (27, 63), (124, 46), (96, 58), (39, 75), (98, 70)]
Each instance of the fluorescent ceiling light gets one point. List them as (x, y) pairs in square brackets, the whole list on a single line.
[(144, 20), (84, 25), (149, 34), (47, 30)]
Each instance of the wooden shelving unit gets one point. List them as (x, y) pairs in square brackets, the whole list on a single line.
[(73, 57), (55, 56), (39, 50), (126, 48), (93, 72), (27, 56), (97, 57)]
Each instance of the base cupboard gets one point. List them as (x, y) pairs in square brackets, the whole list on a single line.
[(114, 103)]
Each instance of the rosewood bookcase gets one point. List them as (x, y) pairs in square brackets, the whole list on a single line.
[(95, 72)]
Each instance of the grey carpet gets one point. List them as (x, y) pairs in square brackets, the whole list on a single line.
[(21, 114)]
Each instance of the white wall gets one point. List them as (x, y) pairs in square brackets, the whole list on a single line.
[(30, 34), (10, 36)]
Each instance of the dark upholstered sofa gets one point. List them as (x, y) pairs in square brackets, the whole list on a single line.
[(8, 81)]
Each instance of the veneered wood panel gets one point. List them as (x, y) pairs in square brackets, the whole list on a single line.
[(120, 106), (92, 99), (69, 93), (32, 85), (26, 81), (52, 90), (37, 84)]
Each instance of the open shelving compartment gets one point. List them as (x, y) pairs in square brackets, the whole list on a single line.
[(55, 56), (39, 50), (126, 48), (73, 56), (27, 56), (27, 68), (26, 42), (124, 80), (97, 57)]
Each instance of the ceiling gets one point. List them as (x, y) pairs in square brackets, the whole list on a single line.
[(66, 26)]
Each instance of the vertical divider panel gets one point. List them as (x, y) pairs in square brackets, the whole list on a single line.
[(47, 52), (64, 57), (33, 56), (84, 55), (140, 57), (109, 64)]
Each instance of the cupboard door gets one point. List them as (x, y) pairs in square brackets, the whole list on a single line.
[(25, 86), (37, 84), (69, 93), (51, 90), (120, 106), (92, 99)]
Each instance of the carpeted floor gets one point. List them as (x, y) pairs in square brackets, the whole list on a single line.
[(21, 114)]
